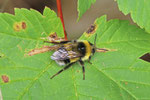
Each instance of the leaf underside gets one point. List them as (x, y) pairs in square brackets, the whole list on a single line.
[(139, 11), (83, 6), (115, 75)]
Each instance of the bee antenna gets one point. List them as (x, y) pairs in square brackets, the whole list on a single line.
[(95, 40)]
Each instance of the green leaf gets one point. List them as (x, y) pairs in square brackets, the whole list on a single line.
[(83, 6), (139, 11), (119, 74), (18, 35), (114, 75)]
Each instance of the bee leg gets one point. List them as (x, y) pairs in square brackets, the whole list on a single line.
[(83, 69), (56, 42), (66, 67), (89, 60)]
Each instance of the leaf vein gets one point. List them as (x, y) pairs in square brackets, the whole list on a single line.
[(119, 85), (34, 80), (75, 86)]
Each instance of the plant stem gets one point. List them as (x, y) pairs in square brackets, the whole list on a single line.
[(59, 9)]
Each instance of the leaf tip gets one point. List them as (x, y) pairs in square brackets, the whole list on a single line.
[(46, 7)]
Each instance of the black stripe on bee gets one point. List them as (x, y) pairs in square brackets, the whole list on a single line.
[(81, 48), (67, 61)]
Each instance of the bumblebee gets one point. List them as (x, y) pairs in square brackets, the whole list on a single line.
[(69, 52)]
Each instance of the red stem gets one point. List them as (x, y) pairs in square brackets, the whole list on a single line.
[(61, 17)]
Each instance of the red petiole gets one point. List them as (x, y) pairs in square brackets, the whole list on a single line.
[(59, 9)]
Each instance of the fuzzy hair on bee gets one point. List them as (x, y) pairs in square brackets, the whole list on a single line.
[(73, 51), (69, 52)]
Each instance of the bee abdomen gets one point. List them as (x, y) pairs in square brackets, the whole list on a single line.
[(63, 62)]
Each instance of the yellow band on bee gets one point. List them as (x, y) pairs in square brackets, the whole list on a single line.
[(88, 50)]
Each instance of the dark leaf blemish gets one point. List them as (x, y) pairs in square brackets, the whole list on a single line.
[(92, 29), (5, 78), (24, 25), (18, 26)]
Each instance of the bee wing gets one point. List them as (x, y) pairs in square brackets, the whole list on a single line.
[(63, 54), (73, 54), (42, 50)]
